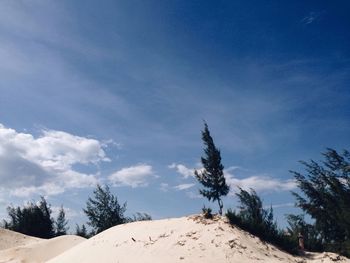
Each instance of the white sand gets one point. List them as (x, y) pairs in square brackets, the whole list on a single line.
[(10, 239), (39, 252), (187, 239)]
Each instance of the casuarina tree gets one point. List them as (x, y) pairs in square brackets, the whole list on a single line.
[(104, 210), (212, 176), (61, 223), (325, 195), (34, 219)]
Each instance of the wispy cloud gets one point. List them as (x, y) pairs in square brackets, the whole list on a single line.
[(181, 187), (45, 164), (280, 205), (311, 17), (193, 195), (134, 176), (164, 187)]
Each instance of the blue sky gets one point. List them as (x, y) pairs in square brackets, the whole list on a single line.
[(116, 92)]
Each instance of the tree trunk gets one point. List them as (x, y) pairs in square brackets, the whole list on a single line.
[(220, 206)]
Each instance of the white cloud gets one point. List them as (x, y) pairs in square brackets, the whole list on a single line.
[(182, 169), (70, 213), (45, 164), (45, 189), (259, 183), (181, 187), (134, 176), (164, 187)]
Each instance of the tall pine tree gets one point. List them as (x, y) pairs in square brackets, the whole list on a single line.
[(212, 176), (61, 223)]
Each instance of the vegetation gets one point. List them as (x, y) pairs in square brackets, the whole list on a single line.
[(258, 221), (61, 223), (81, 231), (212, 177), (206, 211), (139, 217), (325, 196), (103, 210), (297, 226), (32, 219)]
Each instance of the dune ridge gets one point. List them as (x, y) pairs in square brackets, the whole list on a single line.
[(187, 239), (40, 250), (10, 239)]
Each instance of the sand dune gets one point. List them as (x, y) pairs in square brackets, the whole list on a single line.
[(10, 239), (188, 239), (39, 252)]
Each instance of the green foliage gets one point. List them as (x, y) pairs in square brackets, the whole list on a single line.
[(138, 217), (81, 231), (325, 188), (32, 219), (104, 210), (258, 221), (212, 177), (206, 211), (297, 225), (61, 223)]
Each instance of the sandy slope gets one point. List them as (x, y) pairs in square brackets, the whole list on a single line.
[(38, 252), (187, 239), (10, 239)]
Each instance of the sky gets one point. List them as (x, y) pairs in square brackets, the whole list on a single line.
[(116, 92)]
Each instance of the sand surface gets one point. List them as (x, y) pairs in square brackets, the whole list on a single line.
[(187, 239), (41, 251), (10, 239)]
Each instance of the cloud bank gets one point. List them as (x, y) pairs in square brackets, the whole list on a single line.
[(46, 164)]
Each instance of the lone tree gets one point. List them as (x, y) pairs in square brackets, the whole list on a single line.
[(104, 210), (61, 223), (212, 176)]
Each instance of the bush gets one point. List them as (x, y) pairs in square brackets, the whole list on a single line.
[(206, 211), (259, 221), (139, 217)]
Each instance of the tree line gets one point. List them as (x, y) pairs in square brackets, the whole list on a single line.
[(324, 195), (102, 210), (35, 219)]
